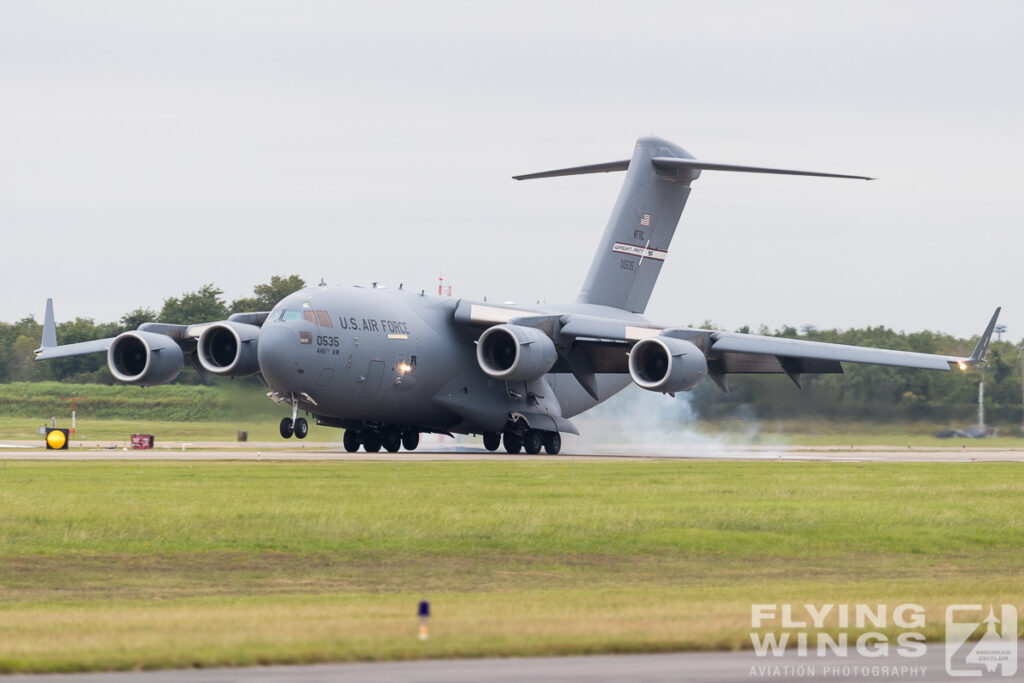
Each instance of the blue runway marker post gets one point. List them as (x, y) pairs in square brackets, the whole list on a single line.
[(424, 614)]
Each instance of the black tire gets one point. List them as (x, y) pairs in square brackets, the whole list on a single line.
[(513, 442), (371, 441), (552, 443), (492, 440), (286, 427), (351, 440), (301, 428), (391, 439), (410, 440), (533, 441)]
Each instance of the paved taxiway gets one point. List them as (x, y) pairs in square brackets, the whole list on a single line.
[(696, 666)]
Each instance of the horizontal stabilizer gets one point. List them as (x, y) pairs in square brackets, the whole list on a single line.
[(698, 165), (606, 167), (681, 164)]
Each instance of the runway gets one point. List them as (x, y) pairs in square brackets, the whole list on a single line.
[(698, 667), (23, 450)]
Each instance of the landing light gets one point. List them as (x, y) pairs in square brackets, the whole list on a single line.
[(962, 365), (404, 368)]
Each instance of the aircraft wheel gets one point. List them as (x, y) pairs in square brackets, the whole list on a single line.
[(533, 441), (492, 440), (513, 442), (552, 443), (351, 440), (391, 439), (301, 428), (371, 441), (286, 427), (410, 440)]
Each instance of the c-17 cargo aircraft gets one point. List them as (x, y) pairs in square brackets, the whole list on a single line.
[(389, 364)]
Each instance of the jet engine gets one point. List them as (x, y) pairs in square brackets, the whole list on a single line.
[(229, 349), (515, 353), (666, 364), (144, 358)]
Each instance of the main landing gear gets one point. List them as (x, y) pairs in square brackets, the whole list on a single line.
[(530, 440), (372, 440)]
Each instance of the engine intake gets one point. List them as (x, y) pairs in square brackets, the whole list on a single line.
[(144, 358), (229, 349), (515, 353), (666, 364)]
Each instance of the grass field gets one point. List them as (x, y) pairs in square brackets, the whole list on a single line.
[(109, 565)]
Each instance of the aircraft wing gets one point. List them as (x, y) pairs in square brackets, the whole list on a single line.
[(81, 348), (599, 346), (183, 334)]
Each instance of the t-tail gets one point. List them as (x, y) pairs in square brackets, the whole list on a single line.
[(640, 229)]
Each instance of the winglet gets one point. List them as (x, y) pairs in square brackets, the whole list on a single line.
[(49, 329), (978, 355)]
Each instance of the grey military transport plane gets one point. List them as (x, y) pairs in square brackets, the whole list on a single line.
[(389, 364)]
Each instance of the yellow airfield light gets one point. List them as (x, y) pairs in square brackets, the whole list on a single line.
[(56, 439)]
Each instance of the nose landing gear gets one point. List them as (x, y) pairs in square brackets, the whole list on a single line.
[(294, 424), (299, 427)]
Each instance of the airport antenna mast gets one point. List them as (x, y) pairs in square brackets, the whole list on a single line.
[(75, 398)]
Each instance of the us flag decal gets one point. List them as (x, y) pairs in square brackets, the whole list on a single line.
[(646, 220)]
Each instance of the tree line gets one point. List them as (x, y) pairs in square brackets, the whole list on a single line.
[(862, 392)]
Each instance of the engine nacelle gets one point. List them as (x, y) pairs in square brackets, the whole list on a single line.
[(666, 364), (144, 358), (515, 353), (229, 349)]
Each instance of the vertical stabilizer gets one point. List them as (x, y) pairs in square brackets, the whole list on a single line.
[(49, 327), (636, 240)]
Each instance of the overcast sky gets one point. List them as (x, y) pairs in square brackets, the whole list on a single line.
[(149, 148)]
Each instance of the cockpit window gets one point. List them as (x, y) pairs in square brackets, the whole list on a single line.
[(287, 316), (321, 318)]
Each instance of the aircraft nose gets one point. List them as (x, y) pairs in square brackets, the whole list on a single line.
[(278, 356)]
